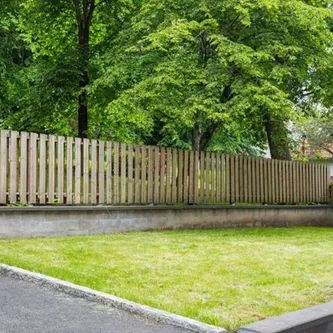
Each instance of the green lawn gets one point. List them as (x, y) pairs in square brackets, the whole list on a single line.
[(222, 277)]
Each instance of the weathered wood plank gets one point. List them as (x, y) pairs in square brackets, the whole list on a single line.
[(227, 179), (202, 178), (42, 169), (240, 178), (13, 157), (116, 178), (249, 180), (266, 181), (85, 182), (191, 177), (33, 168), (207, 177), (273, 182), (93, 173), (180, 188), (232, 179), (218, 178), (101, 172), (51, 170), (78, 168), (109, 188), (137, 173), (162, 178), (156, 181), (236, 178), (168, 175), (295, 182), (130, 183), (23, 167), (246, 180), (174, 176), (60, 169), (301, 184), (186, 177), (150, 176), (3, 166), (69, 171), (196, 176), (143, 175), (123, 150), (213, 178)]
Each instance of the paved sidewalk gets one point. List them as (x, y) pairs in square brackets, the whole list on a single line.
[(29, 308)]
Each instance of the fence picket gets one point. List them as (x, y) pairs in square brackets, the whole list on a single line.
[(13, 166), (116, 179), (186, 177), (109, 189), (156, 181), (32, 168), (77, 185), (162, 177), (137, 173), (180, 176), (143, 175), (150, 176), (123, 173), (101, 172), (130, 187), (60, 169), (23, 167), (168, 175), (42, 169), (3, 166), (85, 182), (174, 176), (191, 177), (51, 169), (93, 173), (69, 171)]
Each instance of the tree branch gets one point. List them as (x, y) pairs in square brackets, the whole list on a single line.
[(92, 6), (328, 150), (231, 24), (76, 4)]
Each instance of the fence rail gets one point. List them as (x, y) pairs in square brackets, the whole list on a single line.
[(47, 169)]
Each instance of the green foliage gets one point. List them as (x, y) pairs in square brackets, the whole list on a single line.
[(202, 73), (180, 59)]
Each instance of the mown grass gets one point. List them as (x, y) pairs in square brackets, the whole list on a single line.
[(222, 277)]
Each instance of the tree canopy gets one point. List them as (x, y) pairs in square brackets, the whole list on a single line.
[(204, 74)]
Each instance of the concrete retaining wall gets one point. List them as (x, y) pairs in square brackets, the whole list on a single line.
[(317, 319), (59, 221)]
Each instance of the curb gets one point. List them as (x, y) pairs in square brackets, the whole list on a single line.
[(110, 300)]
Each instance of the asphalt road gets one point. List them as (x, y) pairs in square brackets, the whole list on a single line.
[(29, 308)]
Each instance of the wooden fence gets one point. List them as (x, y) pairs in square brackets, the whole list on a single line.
[(47, 169)]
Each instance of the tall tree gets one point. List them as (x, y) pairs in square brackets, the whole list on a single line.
[(66, 41), (208, 64), (84, 10)]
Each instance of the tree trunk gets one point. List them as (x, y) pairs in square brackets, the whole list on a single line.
[(277, 137), (208, 134), (84, 11), (202, 137), (196, 133), (83, 107)]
